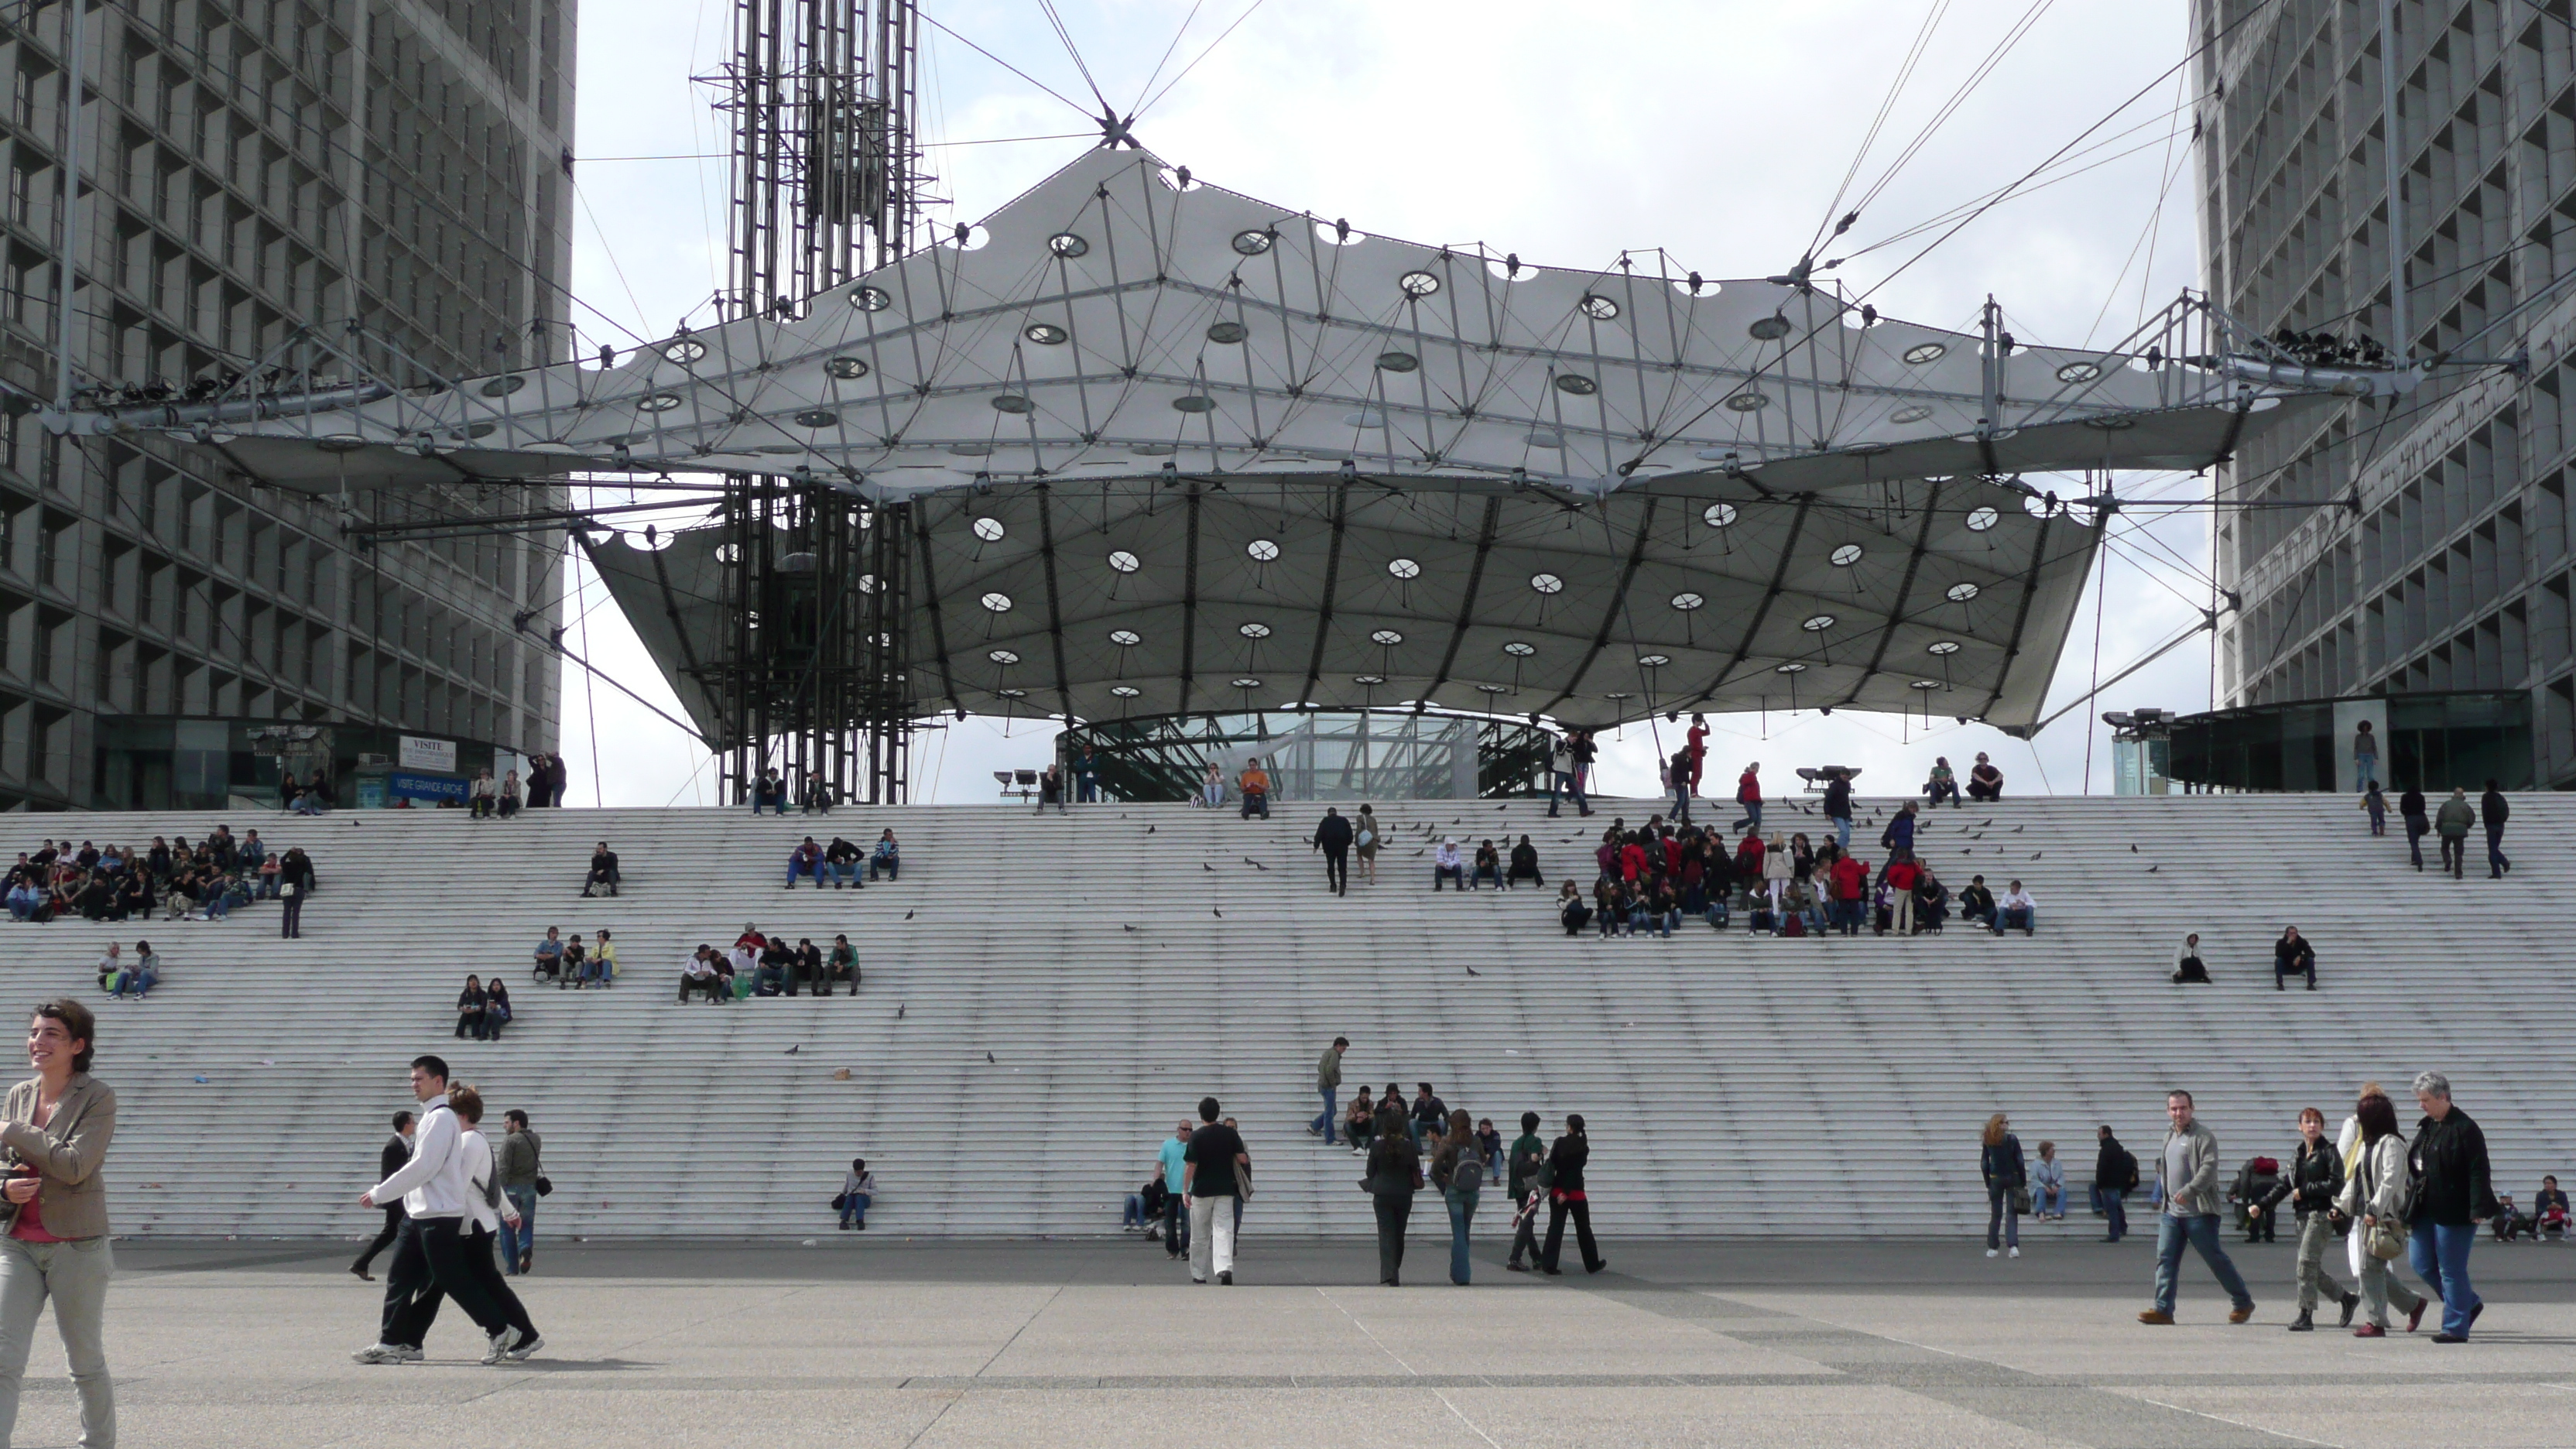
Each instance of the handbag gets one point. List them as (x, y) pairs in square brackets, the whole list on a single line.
[(2383, 1239), (2021, 1201), (840, 1200), (545, 1185)]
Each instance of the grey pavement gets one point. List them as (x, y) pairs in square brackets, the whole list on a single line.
[(873, 1340)]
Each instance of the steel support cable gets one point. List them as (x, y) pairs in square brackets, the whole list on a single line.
[(1168, 52), (1056, 21), (1869, 138), (1203, 54), (2146, 242), (1004, 64), (1976, 77), (1876, 287)]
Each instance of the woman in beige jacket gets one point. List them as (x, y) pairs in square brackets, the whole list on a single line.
[(2376, 1191), (55, 1127)]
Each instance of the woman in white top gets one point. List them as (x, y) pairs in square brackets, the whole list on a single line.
[(858, 1189), (1775, 870), (484, 793), (483, 1197), (510, 794), (1368, 835), (2377, 1189), (2187, 962)]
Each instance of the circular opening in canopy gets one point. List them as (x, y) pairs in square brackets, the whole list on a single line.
[(1745, 402), (1942, 648), (1404, 568), (870, 299), (1597, 307), (1547, 583), (1793, 667), (1769, 329), (1045, 334), (847, 369), (1923, 352), (1247, 683), (1718, 515), (1961, 593), (818, 418), (1262, 550), (989, 529), (1123, 561), (1125, 638), (1519, 650), (1398, 361), (1253, 631), (657, 402), (2111, 425), (504, 386), (1575, 384), (1012, 693), (1687, 602), (1194, 403), (1002, 656), (998, 603), (2079, 372), (1847, 555), (1011, 402), (685, 351), (1227, 332), (1125, 691), (1982, 518), (1253, 243), (1654, 661), (1066, 244), (1817, 623), (1386, 638), (1914, 414), (1368, 679), (1418, 284)]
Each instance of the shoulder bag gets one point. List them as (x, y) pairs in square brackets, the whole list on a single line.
[(2384, 1239)]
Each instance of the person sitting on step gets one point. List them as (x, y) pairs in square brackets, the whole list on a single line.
[(1977, 903), (550, 954), (1525, 863), (1446, 866), (805, 860), (2017, 909), (1985, 782), (841, 965), (887, 857), (842, 859), (1571, 912), (1489, 867), (603, 870), (698, 974)]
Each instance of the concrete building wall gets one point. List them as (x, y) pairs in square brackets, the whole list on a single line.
[(2424, 544), (250, 169)]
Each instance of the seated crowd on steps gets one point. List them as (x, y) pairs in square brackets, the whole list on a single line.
[(761, 965), (173, 878), (840, 861)]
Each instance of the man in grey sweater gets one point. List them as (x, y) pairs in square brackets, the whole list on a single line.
[(517, 1165), (2187, 1171), (1328, 1080)]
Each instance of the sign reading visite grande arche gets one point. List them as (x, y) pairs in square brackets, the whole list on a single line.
[(415, 753)]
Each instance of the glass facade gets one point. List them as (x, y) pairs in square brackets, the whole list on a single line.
[(2431, 742), (1326, 755), (186, 763)]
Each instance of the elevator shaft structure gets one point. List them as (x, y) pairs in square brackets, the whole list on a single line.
[(827, 185)]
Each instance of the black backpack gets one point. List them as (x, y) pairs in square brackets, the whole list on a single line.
[(2128, 1170)]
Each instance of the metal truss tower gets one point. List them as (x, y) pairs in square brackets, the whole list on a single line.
[(827, 185)]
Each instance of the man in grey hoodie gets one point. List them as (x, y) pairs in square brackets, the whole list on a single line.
[(2187, 1171)]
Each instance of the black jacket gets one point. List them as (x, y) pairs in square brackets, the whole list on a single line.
[(1838, 799), (1334, 833), (2492, 808), (2411, 805), (2451, 1157), (1565, 1163), (2316, 1176), (2293, 958), (2001, 1164), (2113, 1169), (1393, 1163)]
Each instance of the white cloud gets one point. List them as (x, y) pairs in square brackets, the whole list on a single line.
[(1720, 130)]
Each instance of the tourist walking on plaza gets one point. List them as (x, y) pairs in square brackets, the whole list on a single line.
[(2115, 1176), (2493, 812), (1394, 1175), (1333, 837), (1458, 1170), (1523, 1168), (1999, 1160), (1173, 1158), (1328, 1080), (2410, 808), (57, 1124), (389, 1160), (2453, 823), (492, 1213), (2374, 1198), (1748, 793), (2453, 1197), (522, 1170), (429, 1253), (2187, 1178), (1213, 1169), (1566, 1197), (2316, 1179)]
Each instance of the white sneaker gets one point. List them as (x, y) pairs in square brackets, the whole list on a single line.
[(385, 1353), (1990, 1252), (2015, 1252), (521, 1352), (501, 1344)]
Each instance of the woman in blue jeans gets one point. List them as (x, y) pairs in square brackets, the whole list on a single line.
[(858, 1189), (1457, 1146), (2000, 1162)]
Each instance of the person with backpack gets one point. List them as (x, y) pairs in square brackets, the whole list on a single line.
[(2454, 1194), (1524, 1167), (2252, 1192), (2007, 1185), (2115, 1176), (1458, 1170), (2316, 1178), (2376, 1199), (1394, 1175), (1567, 1197)]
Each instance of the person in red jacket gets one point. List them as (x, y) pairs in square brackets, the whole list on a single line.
[(1902, 873), (1632, 860), (1851, 877), (1698, 748), (1748, 793)]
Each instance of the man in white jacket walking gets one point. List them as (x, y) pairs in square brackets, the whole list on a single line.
[(429, 1252)]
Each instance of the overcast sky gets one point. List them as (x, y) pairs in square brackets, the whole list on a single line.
[(1719, 130)]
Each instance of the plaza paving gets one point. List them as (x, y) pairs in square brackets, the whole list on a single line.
[(883, 1341)]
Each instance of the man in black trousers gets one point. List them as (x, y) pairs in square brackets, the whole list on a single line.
[(1333, 837), (397, 1151), (429, 1260), (2492, 811)]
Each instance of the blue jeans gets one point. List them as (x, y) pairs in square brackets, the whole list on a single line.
[(1752, 819), (2026, 920), (842, 872), (1086, 790), (892, 865), (2201, 1231), (2115, 1206), (796, 868), (2046, 1200), (1134, 1216), (854, 1209), (2441, 1254), (1842, 833), (1558, 782), (1462, 1206), (523, 1238), (2365, 768), (2003, 1225), (1325, 1122)]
